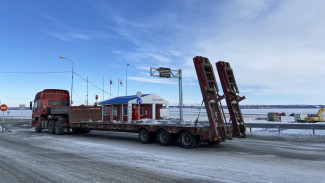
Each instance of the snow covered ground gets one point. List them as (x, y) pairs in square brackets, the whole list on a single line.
[(264, 156), (18, 114), (26, 156)]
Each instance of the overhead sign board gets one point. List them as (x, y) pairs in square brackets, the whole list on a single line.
[(164, 72), (3, 107)]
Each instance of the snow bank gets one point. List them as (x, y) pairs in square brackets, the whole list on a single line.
[(18, 114)]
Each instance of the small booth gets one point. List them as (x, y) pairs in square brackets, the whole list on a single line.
[(128, 108)]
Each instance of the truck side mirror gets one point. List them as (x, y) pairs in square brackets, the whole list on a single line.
[(30, 105)]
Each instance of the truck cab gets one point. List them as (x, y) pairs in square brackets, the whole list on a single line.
[(43, 103)]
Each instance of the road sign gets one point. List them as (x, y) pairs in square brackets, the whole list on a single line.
[(139, 101), (139, 94), (8, 112), (3, 107)]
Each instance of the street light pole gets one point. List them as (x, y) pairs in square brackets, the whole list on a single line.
[(126, 83), (71, 76)]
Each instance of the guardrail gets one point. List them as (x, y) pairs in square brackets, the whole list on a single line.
[(279, 126)]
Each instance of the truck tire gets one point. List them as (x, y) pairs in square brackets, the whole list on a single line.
[(145, 136), (188, 140), (58, 128), (165, 138), (37, 128), (52, 127)]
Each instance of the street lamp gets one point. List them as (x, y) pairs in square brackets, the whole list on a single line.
[(126, 83), (71, 75)]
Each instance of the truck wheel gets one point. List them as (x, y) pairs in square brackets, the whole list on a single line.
[(58, 128), (165, 138), (187, 140), (37, 128), (51, 127), (145, 136)]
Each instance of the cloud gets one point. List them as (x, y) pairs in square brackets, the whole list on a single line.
[(153, 80), (69, 33), (69, 37), (275, 47)]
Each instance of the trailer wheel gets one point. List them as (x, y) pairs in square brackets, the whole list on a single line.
[(165, 138), (145, 136), (51, 127), (37, 128), (58, 128), (188, 140)]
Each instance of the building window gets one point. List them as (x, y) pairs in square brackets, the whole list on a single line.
[(106, 111), (125, 111), (141, 111), (114, 111)]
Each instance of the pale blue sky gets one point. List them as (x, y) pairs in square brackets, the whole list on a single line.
[(276, 48)]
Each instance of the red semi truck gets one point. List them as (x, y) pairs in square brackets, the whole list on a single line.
[(52, 111)]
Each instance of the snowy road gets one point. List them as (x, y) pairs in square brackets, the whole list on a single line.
[(119, 157)]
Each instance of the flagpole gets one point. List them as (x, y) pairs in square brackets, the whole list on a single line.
[(118, 85), (87, 90), (103, 88), (110, 87)]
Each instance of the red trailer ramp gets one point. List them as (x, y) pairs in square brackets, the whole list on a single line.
[(231, 93), (211, 98)]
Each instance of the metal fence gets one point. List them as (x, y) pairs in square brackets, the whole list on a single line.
[(284, 126)]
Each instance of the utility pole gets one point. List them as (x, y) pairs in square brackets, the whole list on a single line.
[(103, 88), (87, 90)]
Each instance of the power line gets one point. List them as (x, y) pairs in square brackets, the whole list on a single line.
[(92, 83), (50, 72), (33, 72)]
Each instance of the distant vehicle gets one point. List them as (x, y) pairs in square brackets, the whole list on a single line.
[(300, 117), (315, 117), (52, 111)]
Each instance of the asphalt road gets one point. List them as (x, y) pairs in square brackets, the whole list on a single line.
[(26, 156)]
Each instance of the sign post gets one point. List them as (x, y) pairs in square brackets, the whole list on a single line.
[(139, 101), (3, 108), (22, 108)]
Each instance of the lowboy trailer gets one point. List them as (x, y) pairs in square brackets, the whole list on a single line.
[(52, 111)]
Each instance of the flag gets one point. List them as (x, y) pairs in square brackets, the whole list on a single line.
[(120, 81), (110, 82)]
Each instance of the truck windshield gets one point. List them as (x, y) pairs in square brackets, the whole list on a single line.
[(54, 102), (65, 103)]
